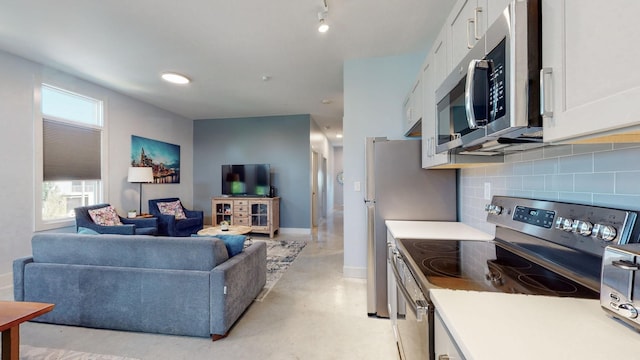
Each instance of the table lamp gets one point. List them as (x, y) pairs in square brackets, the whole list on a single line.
[(138, 174)]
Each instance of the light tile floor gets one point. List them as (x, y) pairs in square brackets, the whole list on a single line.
[(312, 313)]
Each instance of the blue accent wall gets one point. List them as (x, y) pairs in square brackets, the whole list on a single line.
[(281, 141)]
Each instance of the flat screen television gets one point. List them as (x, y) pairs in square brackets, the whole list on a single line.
[(246, 180)]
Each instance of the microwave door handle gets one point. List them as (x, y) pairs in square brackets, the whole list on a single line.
[(545, 72), (468, 90)]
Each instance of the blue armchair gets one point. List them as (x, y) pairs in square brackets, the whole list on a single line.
[(168, 225), (144, 226)]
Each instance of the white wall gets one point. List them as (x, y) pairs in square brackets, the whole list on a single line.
[(123, 117), (374, 91)]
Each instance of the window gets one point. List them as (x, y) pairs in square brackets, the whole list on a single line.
[(72, 133)]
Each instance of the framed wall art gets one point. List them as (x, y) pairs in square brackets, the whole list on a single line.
[(163, 157)]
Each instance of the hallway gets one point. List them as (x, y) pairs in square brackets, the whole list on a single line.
[(311, 313)]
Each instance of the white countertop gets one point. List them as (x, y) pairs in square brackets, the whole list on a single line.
[(441, 230), (496, 326)]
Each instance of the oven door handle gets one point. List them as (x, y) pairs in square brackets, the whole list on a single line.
[(418, 307)]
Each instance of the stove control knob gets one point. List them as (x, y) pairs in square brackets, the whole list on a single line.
[(493, 209), (495, 278), (627, 310), (582, 227), (604, 232), (564, 224)]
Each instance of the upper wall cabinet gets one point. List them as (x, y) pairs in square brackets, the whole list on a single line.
[(467, 24), (440, 60), (429, 156), (413, 109), (495, 8), (590, 55)]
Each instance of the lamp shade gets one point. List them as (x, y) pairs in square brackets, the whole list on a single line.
[(140, 175)]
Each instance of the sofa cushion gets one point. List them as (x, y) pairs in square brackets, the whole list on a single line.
[(138, 251), (172, 208), (234, 243), (87, 231), (105, 216)]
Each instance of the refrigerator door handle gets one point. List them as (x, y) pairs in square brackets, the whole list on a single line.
[(371, 259)]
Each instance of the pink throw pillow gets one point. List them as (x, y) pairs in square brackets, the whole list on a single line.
[(105, 216), (172, 208)]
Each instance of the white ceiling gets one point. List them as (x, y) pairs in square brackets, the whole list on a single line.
[(226, 47)]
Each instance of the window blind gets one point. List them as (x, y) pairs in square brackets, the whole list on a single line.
[(71, 152)]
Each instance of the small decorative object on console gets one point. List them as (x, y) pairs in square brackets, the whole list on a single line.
[(224, 226)]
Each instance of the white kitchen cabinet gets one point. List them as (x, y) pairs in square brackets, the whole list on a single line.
[(440, 59), (429, 156), (589, 55), (467, 24), (413, 109), (445, 347), (495, 9)]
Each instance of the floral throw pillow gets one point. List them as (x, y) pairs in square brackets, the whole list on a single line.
[(172, 208), (105, 216)]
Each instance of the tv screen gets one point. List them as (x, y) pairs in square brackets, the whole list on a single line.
[(246, 180)]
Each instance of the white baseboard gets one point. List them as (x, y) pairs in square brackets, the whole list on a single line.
[(354, 272), (295, 231)]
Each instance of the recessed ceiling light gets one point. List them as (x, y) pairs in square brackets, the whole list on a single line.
[(339, 136), (326, 101), (175, 78)]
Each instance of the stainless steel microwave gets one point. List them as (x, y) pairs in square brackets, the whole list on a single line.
[(491, 99)]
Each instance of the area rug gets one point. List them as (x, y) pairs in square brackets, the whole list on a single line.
[(280, 255), (37, 353)]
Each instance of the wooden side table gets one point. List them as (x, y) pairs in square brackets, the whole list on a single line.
[(12, 314)]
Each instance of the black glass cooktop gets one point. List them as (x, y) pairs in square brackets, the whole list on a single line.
[(485, 266)]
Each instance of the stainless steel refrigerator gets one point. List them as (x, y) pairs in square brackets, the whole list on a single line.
[(397, 188)]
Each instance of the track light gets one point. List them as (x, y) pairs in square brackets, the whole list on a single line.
[(322, 15), (323, 27)]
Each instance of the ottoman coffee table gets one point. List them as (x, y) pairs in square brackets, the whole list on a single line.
[(233, 230)]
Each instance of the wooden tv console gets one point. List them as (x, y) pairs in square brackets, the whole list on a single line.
[(261, 213)]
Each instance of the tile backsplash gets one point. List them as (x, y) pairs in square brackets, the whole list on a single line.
[(593, 174)]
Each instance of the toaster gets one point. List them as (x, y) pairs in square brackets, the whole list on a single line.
[(620, 283)]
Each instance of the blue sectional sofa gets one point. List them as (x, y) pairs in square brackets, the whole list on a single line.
[(178, 286)]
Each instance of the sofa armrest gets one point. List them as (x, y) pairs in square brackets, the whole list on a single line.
[(199, 214), (141, 223), (235, 284), (18, 277)]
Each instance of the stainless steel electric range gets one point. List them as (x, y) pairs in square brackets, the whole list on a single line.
[(540, 248)]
